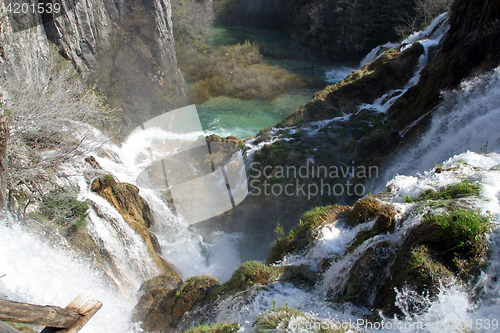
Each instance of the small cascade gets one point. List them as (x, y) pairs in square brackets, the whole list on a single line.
[(376, 52), (129, 258), (434, 32), (384, 102)]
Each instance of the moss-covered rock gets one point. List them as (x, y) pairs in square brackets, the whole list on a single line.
[(366, 277), (125, 198), (249, 274), (93, 162), (386, 222), (388, 72), (364, 210), (154, 290), (303, 234), (450, 244), (164, 304)]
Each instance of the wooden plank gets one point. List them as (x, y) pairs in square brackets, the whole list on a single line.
[(4, 328), (85, 307), (53, 316)]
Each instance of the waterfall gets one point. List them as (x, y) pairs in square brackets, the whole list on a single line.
[(384, 102), (466, 120), (40, 273), (433, 32), (189, 251)]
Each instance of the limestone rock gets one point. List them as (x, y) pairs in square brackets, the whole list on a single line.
[(135, 211)]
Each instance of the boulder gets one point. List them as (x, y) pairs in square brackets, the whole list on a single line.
[(165, 302)]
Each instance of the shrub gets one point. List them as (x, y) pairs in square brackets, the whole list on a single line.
[(61, 206), (237, 71)]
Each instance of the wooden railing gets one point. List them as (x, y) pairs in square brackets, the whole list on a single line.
[(63, 320)]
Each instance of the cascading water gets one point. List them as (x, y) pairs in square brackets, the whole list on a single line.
[(182, 245), (384, 102), (466, 120), (455, 308), (37, 272), (434, 32), (41, 273)]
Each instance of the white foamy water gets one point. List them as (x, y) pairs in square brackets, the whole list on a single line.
[(39, 273), (456, 308), (182, 245), (466, 120)]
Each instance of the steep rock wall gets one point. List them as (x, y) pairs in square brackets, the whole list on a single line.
[(127, 47)]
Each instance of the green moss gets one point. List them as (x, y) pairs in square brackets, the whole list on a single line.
[(364, 210), (192, 293), (61, 206), (408, 199), (303, 233), (215, 328), (248, 274), (424, 271), (310, 219), (467, 227), (270, 320), (453, 191)]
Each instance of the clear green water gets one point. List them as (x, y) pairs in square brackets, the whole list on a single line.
[(243, 118)]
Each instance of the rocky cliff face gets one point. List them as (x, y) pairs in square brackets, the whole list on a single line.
[(127, 47)]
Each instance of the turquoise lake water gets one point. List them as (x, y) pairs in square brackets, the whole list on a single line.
[(243, 118)]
